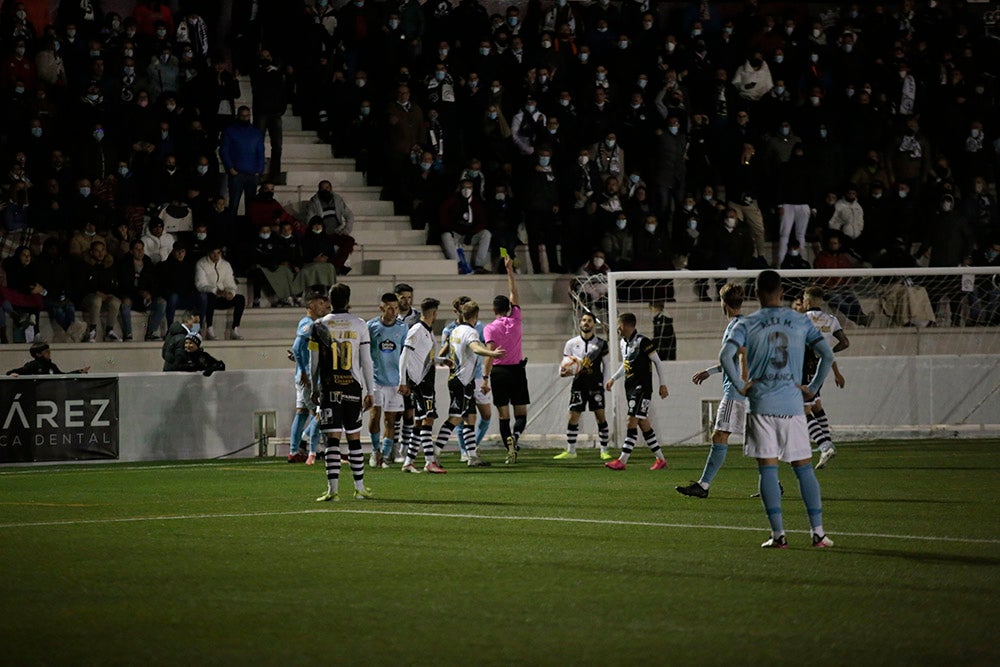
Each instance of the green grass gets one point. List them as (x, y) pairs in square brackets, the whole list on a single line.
[(465, 568)]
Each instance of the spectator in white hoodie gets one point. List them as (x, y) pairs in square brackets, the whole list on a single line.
[(848, 216), (213, 276), (753, 78)]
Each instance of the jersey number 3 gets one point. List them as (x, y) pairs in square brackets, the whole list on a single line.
[(342, 355)]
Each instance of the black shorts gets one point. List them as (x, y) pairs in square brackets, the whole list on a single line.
[(462, 398), (509, 385), (422, 397), (408, 402), (638, 401), (340, 410), (586, 399)]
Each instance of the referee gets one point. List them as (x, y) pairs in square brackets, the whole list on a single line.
[(510, 384)]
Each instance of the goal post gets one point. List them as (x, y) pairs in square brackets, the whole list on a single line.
[(935, 333)]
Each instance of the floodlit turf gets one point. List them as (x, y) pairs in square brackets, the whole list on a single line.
[(544, 563)]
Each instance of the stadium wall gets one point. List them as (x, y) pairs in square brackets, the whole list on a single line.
[(181, 416)]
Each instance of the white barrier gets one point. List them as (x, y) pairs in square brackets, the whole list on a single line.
[(174, 416)]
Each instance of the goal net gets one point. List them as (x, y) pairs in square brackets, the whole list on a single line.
[(922, 360)]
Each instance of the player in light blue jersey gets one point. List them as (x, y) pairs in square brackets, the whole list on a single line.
[(732, 413), (775, 338), (304, 422), (482, 400), (387, 335)]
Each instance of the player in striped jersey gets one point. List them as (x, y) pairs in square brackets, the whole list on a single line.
[(482, 400), (342, 384), (466, 348), (387, 335), (416, 380), (638, 359), (587, 390), (409, 316), (317, 306), (731, 416), (819, 426)]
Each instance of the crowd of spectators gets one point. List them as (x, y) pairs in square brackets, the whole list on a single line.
[(667, 135)]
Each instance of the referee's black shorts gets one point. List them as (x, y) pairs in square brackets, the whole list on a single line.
[(509, 385)]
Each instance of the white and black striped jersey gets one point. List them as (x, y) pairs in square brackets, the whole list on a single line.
[(462, 337), (417, 360), (592, 353), (339, 351)]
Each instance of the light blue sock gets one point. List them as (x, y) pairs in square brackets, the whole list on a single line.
[(809, 488), (770, 495), (460, 432), (317, 441), (298, 426), (482, 429), (376, 439), (386, 448), (716, 457)]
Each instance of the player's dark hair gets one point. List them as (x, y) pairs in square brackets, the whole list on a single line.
[(316, 292), (428, 305), (389, 297), (627, 319), (768, 282), (459, 302), (814, 292), (340, 296), (501, 305), (732, 295), (403, 287)]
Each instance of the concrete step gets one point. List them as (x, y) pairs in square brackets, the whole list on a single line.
[(382, 222), (400, 252), (418, 267), (291, 123), (299, 137), (304, 193), (291, 152), (310, 177), (363, 205), (403, 236)]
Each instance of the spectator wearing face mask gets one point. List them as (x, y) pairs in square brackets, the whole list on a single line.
[(338, 223), (753, 79), (849, 217), (96, 157), (158, 243), (318, 252), (592, 294), (242, 154), (949, 238), (618, 243), (464, 220)]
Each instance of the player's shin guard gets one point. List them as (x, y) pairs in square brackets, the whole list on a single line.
[(406, 429), (387, 449), (716, 457), (604, 433), (651, 442), (770, 496), (824, 427), (482, 428), (332, 458), (520, 423), (504, 430), (809, 488), (631, 435), (357, 460), (299, 422), (376, 439), (444, 435), (427, 443), (466, 438), (572, 431)]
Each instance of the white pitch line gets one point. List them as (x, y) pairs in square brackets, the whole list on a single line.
[(486, 517), (138, 467)]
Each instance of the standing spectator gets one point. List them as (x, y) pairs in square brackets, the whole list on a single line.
[(138, 290), (214, 277), (794, 198), (669, 167), (338, 223), (405, 130), (242, 153), (541, 206), (97, 284), (267, 83), (910, 156), (848, 217), (753, 79), (464, 220)]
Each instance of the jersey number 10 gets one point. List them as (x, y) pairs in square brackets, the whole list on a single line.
[(342, 355)]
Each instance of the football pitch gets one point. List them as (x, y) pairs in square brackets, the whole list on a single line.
[(542, 563)]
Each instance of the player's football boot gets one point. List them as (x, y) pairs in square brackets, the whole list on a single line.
[(822, 541), (363, 494), (476, 462), (615, 465), (327, 497), (779, 542), (607, 456), (659, 464), (410, 468), (435, 468), (694, 489), (311, 459), (562, 456), (511, 449), (825, 456)]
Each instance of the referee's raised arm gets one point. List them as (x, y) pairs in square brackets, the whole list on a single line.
[(511, 282)]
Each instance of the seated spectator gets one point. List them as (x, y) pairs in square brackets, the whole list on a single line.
[(317, 256), (15, 211), (41, 363), (173, 343), (138, 290), (464, 220), (176, 284), (80, 244), (270, 271), (592, 294), (793, 258), (618, 244), (23, 295), (54, 273), (732, 246), (838, 290), (338, 222), (96, 285), (195, 360), (263, 209), (214, 277), (157, 242)]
